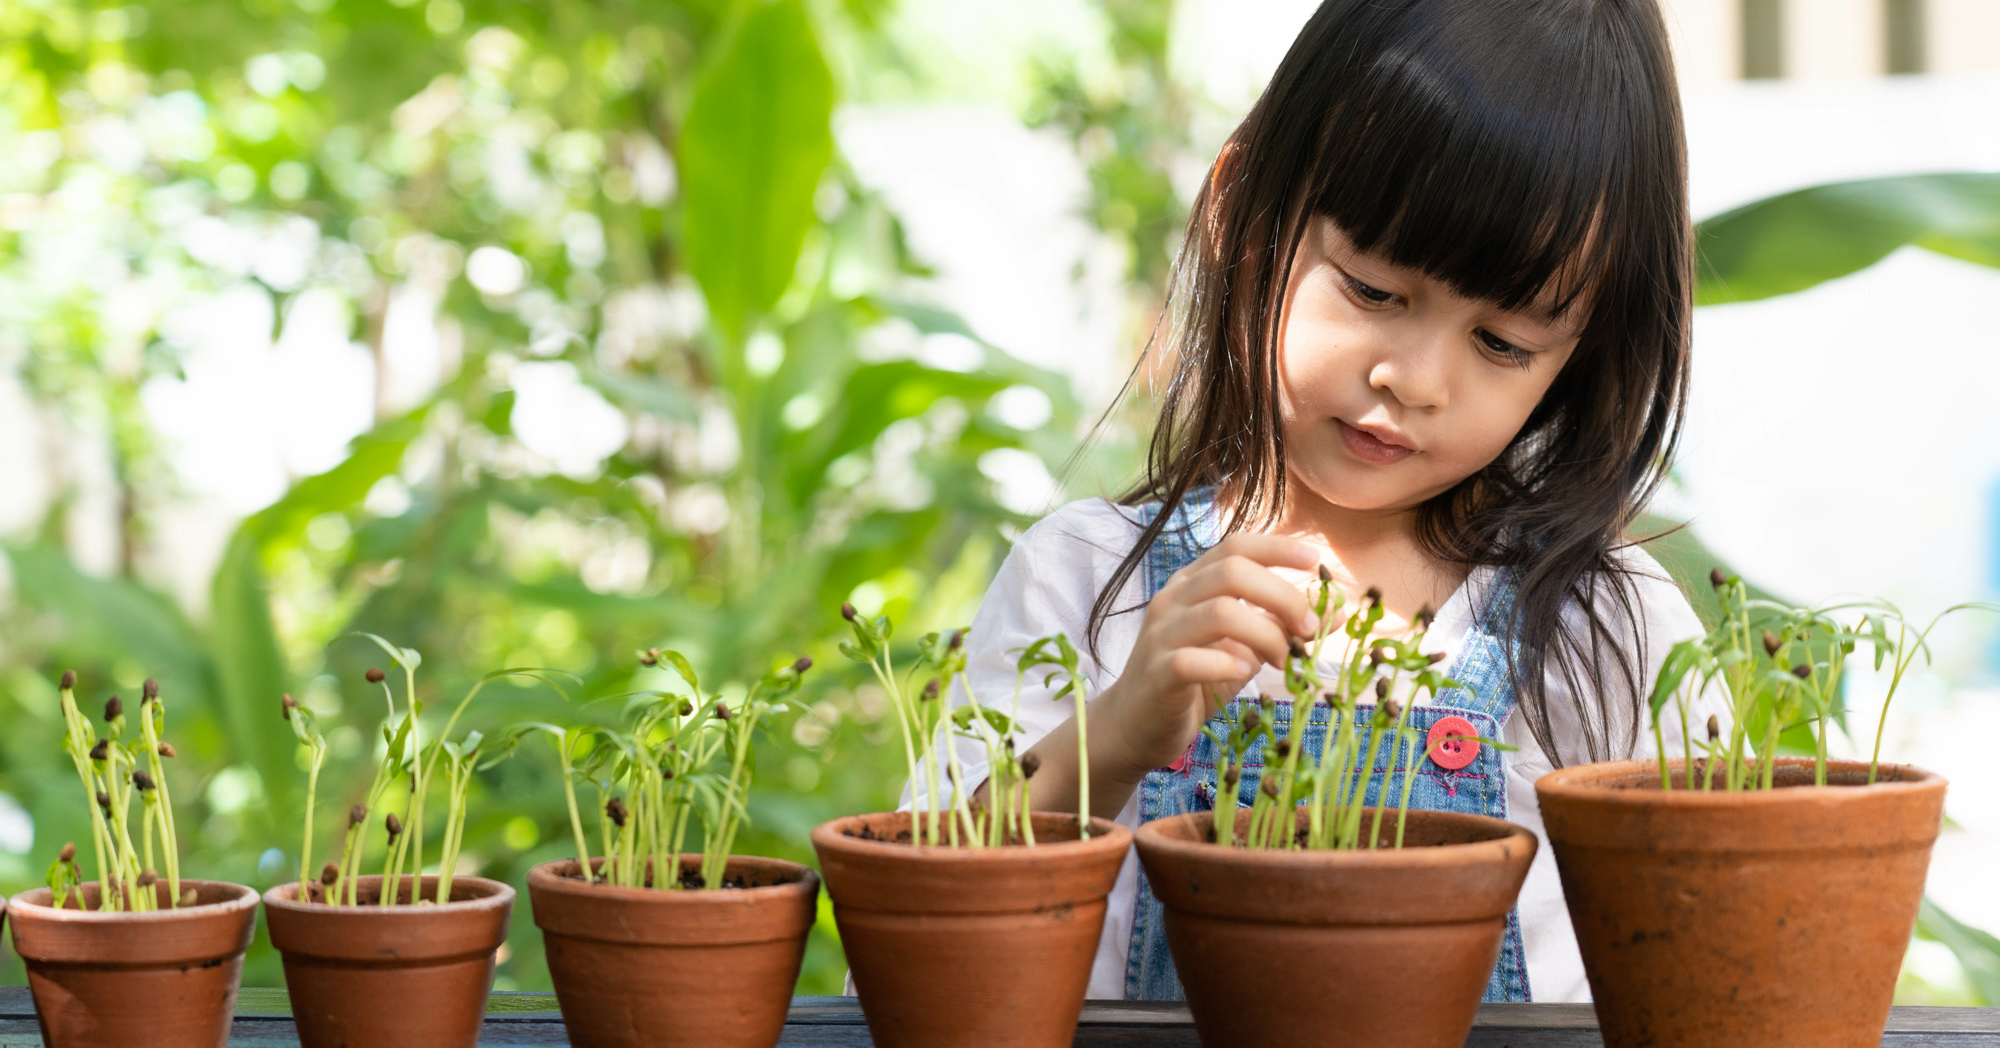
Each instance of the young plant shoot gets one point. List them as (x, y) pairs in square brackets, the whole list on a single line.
[(407, 758), (679, 761), (1333, 783), (114, 773), (943, 810), (1781, 667)]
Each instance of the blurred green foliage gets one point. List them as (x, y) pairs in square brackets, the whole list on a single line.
[(654, 190)]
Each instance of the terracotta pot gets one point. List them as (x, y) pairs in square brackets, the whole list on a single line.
[(165, 979), (1388, 947), (1772, 918), (986, 947), (399, 976), (693, 968)]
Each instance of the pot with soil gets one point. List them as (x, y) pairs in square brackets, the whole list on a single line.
[(711, 959), (1400, 942), (1735, 896), (408, 975), (1776, 917), (970, 919), (134, 954), (684, 967), (969, 946), (163, 977)]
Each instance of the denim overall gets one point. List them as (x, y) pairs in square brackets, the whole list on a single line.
[(1485, 699)]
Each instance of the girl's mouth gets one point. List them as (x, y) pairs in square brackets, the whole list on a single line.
[(1372, 449)]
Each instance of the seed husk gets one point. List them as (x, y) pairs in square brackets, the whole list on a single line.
[(114, 708), (1381, 687), (188, 897), (149, 691), (930, 689), (1717, 579), (1231, 776), (1030, 764), (1771, 644), (615, 808), (285, 705), (1436, 657), (69, 680), (1392, 709), (1270, 788), (1252, 718), (394, 824), (101, 750), (374, 675), (148, 878), (1714, 728), (805, 663), (104, 801), (1374, 595), (329, 874), (1324, 574), (357, 814), (721, 712), (1295, 647), (1802, 671), (68, 853), (847, 611), (142, 780), (1283, 748), (167, 749)]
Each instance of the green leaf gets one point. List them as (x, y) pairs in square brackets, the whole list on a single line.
[(1793, 241), (758, 135), (250, 667), (1977, 951)]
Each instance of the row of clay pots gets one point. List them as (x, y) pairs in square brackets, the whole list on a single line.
[(1773, 918)]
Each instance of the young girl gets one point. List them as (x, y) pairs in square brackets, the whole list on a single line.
[(1430, 331)]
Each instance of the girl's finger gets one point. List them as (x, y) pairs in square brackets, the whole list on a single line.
[(1245, 579), (1207, 666), (1226, 618), (1272, 551)]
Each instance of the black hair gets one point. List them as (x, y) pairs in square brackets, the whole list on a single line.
[(1513, 149)]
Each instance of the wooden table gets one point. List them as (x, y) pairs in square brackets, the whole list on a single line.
[(263, 1020)]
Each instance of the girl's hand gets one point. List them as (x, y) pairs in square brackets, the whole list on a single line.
[(1208, 629)]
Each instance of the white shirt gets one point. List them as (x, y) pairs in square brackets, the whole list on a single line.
[(1053, 575)]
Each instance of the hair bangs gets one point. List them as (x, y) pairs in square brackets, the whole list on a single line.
[(1452, 149)]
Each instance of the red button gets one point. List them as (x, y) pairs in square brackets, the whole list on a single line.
[(1459, 749)]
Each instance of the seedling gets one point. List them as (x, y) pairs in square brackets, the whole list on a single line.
[(679, 760), (1798, 679), (1333, 783), (928, 724), (404, 755), (112, 772)]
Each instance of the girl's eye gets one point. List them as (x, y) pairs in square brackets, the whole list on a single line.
[(1371, 295), (1502, 348)]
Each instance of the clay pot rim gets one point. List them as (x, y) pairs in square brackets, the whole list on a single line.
[(1155, 836), (1107, 835), (34, 905), (543, 877), (1581, 783), (501, 895)]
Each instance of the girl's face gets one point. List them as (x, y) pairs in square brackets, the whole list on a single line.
[(1393, 387)]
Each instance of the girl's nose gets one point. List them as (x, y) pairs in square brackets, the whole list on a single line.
[(1414, 371)]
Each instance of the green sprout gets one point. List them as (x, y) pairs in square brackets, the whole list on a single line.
[(405, 754), (680, 762), (929, 724), (1333, 783), (1780, 667), (111, 773)]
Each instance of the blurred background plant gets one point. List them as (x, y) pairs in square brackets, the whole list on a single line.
[(541, 333)]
